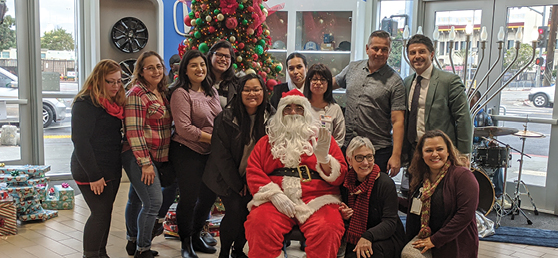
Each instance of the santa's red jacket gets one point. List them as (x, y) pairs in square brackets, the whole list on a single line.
[(307, 196)]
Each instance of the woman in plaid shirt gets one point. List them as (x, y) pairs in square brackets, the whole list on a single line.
[(147, 121)]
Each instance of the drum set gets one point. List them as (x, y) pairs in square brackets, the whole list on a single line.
[(488, 159)]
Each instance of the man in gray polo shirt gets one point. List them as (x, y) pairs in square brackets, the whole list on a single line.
[(375, 102)]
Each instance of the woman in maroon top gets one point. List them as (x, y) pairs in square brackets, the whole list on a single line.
[(441, 219), (194, 105)]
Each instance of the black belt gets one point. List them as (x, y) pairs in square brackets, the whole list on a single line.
[(305, 174)]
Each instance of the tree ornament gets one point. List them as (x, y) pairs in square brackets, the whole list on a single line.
[(270, 84), (267, 32), (279, 68), (321, 21), (250, 31), (254, 57), (199, 21), (235, 66), (239, 59), (208, 18), (261, 42), (232, 38), (216, 11), (231, 23), (185, 41), (191, 15), (240, 6), (265, 12), (204, 7), (259, 50), (250, 9), (220, 17), (250, 71), (211, 29), (197, 14), (204, 48), (197, 34), (254, 40), (193, 22), (188, 21), (263, 74), (262, 6), (281, 21), (244, 1), (244, 22)]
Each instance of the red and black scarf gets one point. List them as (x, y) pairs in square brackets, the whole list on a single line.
[(359, 201), (112, 108)]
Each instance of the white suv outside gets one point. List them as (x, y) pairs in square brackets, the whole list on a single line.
[(54, 110)]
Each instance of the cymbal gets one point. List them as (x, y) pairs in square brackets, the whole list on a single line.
[(488, 131), (529, 134)]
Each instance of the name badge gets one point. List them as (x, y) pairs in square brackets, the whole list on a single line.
[(416, 206)]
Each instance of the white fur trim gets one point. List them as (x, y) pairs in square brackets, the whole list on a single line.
[(263, 194), (293, 99), (335, 170), (303, 214)]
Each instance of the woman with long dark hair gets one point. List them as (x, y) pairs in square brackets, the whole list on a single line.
[(318, 88), (147, 120), (441, 220), (194, 105), (235, 132), (97, 115), (221, 72)]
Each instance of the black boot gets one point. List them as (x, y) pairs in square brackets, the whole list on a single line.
[(131, 249), (144, 254), (200, 245), (157, 229), (208, 238), (187, 249)]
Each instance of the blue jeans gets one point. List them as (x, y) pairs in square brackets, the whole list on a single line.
[(143, 204), (498, 181)]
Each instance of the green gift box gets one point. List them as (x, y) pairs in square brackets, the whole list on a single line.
[(53, 203), (64, 194)]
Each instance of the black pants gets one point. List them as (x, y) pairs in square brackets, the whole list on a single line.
[(380, 249), (232, 225), (96, 230), (196, 199), (382, 156)]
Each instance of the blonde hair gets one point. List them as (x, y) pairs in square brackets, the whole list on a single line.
[(95, 84)]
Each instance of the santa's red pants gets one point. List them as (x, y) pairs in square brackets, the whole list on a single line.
[(266, 227)]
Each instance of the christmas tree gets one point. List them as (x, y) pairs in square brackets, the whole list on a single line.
[(242, 23)]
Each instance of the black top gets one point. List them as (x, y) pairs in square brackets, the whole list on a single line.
[(97, 139), (383, 221), (437, 212), (278, 93)]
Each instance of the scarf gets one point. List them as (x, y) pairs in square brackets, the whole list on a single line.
[(428, 189), (112, 108), (359, 201)]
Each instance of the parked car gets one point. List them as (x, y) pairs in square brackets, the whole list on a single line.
[(542, 96), (54, 109)]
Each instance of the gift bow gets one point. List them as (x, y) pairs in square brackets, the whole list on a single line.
[(65, 185)]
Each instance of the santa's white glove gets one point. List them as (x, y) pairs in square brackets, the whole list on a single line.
[(283, 204), (321, 149)]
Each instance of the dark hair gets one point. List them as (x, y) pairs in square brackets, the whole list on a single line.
[(183, 81), (241, 115), (380, 34), (421, 39), (138, 69), (418, 167), (174, 59), (293, 55), (322, 70), (229, 73)]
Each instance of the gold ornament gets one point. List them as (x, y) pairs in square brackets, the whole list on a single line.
[(239, 59), (220, 17), (265, 12), (208, 18), (232, 38), (266, 32), (250, 70)]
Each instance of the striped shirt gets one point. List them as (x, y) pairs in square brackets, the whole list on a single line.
[(147, 122)]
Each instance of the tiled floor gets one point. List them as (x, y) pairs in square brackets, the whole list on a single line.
[(62, 236)]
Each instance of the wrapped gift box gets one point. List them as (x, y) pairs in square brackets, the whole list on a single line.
[(8, 217), (32, 209), (43, 215), (38, 181), (4, 195), (21, 192), (32, 170), (64, 194), (55, 204), (7, 178)]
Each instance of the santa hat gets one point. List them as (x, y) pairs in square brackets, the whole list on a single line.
[(294, 96)]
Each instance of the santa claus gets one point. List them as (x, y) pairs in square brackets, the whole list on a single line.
[(294, 174)]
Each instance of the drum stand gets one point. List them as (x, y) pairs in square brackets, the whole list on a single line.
[(515, 208)]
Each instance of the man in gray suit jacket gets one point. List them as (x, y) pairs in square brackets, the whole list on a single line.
[(441, 102)]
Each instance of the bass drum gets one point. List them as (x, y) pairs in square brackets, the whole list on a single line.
[(486, 191)]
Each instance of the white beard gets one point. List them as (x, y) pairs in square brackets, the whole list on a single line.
[(290, 137)]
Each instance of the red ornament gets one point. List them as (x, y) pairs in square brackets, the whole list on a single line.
[(241, 45), (197, 14), (211, 29), (204, 6), (270, 84), (263, 74), (231, 23), (254, 40), (188, 21), (255, 57), (250, 9)]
